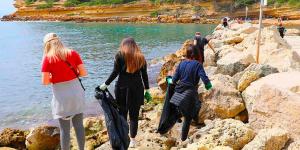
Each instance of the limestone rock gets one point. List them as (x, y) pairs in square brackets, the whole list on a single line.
[(294, 146), (274, 101), (157, 94), (233, 40), (95, 133), (292, 32), (13, 138), (247, 78), (268, 139), (261, 69), (223, 101), (228, 132), (233, 63), (43, 137), (209, 58), (7, 148), (170, 64)]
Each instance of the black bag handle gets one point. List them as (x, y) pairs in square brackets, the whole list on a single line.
[(75, 72)]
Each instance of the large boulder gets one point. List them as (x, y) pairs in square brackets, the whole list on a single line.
[(233, 63), (43, 137), (234, 40), (223, 101), (247, 78), (157, 94), (95, 133), (294, 146), (274, 50), (274, 101), (13, 138), (268, 139), (229, 132), (292, 32), (261, 69)]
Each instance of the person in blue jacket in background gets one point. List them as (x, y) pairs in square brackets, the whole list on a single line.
[(186, 78)]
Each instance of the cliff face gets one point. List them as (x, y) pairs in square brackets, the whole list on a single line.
[(209, 9)]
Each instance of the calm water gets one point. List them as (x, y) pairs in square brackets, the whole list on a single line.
[(25, 102)]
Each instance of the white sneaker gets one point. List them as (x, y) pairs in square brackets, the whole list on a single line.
[(132, 143)]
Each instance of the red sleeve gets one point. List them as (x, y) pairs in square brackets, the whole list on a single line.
[(77, 58), (45, 65)]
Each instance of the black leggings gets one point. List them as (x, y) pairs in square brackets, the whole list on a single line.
[(129, 100), (133, 118), (185, 128)]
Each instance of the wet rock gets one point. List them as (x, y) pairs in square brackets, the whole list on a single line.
[(234, 62), (13, 138), (228, 132), (268, 139), (43, 137), (274, 101), (223, 101), (247, 78)]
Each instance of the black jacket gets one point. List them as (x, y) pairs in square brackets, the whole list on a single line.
[(117, 126), (139, 78)]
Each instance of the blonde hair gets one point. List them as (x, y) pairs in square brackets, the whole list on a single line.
[(134, 58), (54, 48)]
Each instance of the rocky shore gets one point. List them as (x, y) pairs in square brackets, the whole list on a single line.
[(251, 106)]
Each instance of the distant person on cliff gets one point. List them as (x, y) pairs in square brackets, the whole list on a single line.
[(225, 23), (281, 29), (199, 43), (186, 79), (62, 68), (131, 67)]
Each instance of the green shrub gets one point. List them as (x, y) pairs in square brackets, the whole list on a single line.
[(154, 14), (29, 2), (71, 3)]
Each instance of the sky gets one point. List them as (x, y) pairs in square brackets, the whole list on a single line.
[(6, 7)]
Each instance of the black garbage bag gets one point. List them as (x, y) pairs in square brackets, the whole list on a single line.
[(117, 126), (170, 114)]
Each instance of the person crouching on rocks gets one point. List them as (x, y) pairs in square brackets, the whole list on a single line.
[(61, 67), (186, 79), (131, 67), (199, 43)]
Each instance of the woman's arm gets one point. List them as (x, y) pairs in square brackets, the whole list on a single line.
[(145, 76), (46, 78), (202, 74), (176, 75), (116, 71), (82, 71)]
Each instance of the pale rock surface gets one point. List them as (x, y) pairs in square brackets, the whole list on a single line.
[(247, 78), (294, 146), (268, 139), (261, 69), (223, 101), (228, 132), (233, 63), (274, 101)]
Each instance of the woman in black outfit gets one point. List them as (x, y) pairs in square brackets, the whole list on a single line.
[(131, 67)]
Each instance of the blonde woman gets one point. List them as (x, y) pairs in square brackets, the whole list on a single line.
[(131, 67), (61, 67)]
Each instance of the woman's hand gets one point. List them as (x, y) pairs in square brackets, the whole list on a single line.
[(103, 86)]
